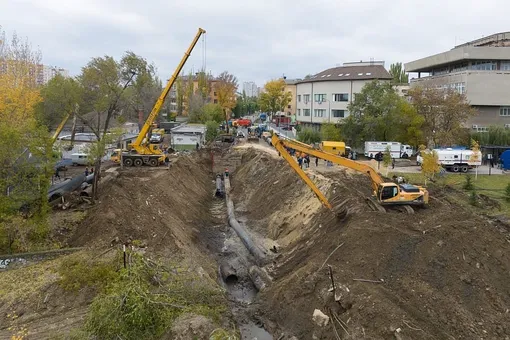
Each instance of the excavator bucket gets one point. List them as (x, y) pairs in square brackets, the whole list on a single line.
[(374, 205), (340, 208)]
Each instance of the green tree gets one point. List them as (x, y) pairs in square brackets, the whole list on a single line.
[(444, 113), (211, 130), (379, 113), (399, 74), (330, 132), (145, 88), (60, 96), (204, 84), (274, 98), (309, 136), (104, 81)]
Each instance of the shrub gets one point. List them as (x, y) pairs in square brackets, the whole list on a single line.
[(473, 198), (146, 300), (469, 183), (507, 192)]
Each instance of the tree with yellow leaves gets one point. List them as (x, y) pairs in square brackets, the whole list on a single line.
[(25, 150), (476, 156), (226, 87), (430, 163), (274, 98)]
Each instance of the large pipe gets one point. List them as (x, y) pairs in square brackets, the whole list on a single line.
[(259, 277), (228, 273), (240, 231)]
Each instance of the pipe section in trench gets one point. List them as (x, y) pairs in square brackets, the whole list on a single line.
[(257, 253)]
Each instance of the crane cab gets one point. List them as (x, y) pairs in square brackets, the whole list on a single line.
[(392, 193)]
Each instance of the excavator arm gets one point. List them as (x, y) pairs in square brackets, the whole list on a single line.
[(137, 145), (279, 145), (349, 163)]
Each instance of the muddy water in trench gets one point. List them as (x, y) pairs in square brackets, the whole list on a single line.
[(232, 254)]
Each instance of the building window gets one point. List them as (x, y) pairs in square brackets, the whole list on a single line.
[(505, 66), (504, 111), (460, 67), (215, 93), (306, 98), (483, 65), (299, 98), (338, 113), (319, 98), (299, 112), (319, 113), (216, 101), (306, 112), (479, 128), (341, 97), (288, 106)]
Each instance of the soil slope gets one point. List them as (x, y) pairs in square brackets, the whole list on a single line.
[(441, 273)]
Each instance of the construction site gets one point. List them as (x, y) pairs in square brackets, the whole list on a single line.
[(237, 236), (279, 254)]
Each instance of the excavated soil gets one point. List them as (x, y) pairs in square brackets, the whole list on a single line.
[(442, 273), (161, 210)]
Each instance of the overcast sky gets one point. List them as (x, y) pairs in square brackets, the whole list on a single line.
[(254, 40)]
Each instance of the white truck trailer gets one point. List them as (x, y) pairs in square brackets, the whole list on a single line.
[(397, 150), (455, 160)]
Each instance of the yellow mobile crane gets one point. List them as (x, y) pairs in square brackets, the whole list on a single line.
[(142, 151), (385, 194)]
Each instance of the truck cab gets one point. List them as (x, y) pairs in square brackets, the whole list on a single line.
[(408, 194)]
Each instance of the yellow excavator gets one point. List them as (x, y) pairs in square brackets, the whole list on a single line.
[(141, 151), (385, 194)]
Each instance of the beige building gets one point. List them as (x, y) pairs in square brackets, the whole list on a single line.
[(480, 69), (324, 97), (290, 86)]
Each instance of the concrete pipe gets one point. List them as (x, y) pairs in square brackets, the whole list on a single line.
[(257, 253), (228, 274), (259, 277)]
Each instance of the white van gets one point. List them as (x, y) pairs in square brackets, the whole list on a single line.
[(80, 159)]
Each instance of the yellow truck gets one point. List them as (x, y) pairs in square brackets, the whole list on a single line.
[(336, 148)]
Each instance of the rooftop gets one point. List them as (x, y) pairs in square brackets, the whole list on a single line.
[(352, 71), (493, 47), (189, 128)]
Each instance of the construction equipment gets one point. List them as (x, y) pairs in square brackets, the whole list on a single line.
[(385, 194), (142, 151), (59, 128)]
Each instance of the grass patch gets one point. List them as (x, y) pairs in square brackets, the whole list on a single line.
[(77, 271), (493, 186), (23, 283)]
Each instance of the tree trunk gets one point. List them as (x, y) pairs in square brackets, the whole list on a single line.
[(97, 177), (226, 120)]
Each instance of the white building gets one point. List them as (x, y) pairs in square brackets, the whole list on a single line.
[(46, 73), (186, 137), (251, 89), (324, 97)]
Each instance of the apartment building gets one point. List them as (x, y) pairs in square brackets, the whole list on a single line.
[(324, 97), (211, 98), (291, 86), (480, 69), (250, 89), (40, 74)]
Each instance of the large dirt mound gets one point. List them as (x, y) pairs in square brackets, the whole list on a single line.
[(441, 273), (160, 208)]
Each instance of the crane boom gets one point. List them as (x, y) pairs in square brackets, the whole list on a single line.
[(59, 128), (159, 103)]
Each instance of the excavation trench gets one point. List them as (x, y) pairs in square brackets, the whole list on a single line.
[(238, 257)]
